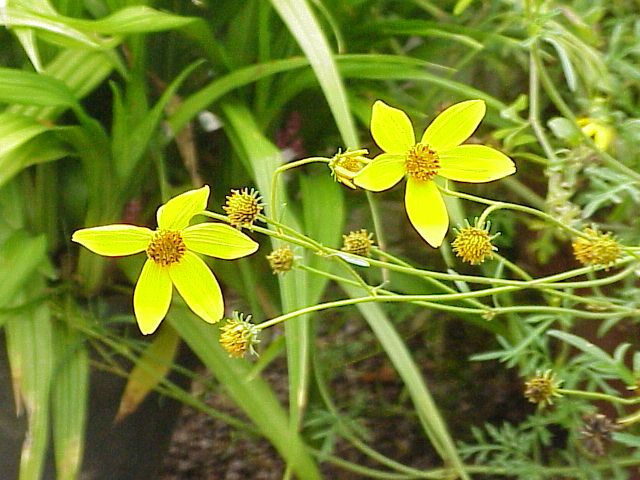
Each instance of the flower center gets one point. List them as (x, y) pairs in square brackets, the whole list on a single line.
[(422, 162), (166, 248)]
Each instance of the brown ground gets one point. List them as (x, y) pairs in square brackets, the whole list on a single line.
[(367, 390)]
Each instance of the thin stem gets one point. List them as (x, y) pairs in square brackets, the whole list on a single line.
[(599, 396), (284, 168)]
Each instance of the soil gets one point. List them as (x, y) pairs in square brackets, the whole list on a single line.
[(369, 394)]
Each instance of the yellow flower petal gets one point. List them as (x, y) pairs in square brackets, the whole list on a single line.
[(218, 240), (454, 125), (114, 240), (152, 297), (384, 172), (199, 288), (391, 128), (474, 163), (177, 212), (427, 211)]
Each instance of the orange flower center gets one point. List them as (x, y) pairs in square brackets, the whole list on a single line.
[(422, 162), (166, 248)]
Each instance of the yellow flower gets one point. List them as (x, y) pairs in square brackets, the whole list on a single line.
[(601, 133), (439, 152), (171, 258)]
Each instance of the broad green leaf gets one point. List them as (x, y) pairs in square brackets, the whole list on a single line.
[(24, 142), (70, 395), (30, 351), (16, 130), (18, 86), (55, 26), (29, 42), (80, 70), (20, 256), (323, 214), (44, 148), (70, 32), (374, 67), (134, 19)]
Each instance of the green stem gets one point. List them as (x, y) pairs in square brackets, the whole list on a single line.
[(543, 282), (599, 396)]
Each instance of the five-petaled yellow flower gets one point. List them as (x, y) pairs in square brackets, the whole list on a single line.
[(171, 257), (439, 152)]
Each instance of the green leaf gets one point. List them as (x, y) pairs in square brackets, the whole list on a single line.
[(18, 86), (30, 351), (25, 142), (596, 353), (70, 395), (133, 141), (323, 214), (134, 19), (20, 256)]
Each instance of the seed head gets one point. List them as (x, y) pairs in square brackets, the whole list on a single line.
[(346, 165), (596, 433), (473, 243), (358, 242), (281, 260), (238, 335), (542, 388), (243, 207), (597, 249)]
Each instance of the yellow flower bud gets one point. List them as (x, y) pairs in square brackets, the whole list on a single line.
[(598, 249), (542, 388), (281, 260), (345, 166), (243, 207), (238, 336), (358, 242), (473, 244)]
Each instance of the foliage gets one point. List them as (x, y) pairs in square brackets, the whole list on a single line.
[(110, 108)]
